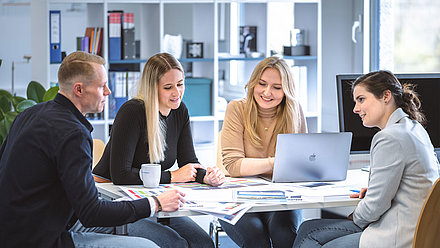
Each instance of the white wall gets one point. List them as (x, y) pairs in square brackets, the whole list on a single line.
[(15, 42), (16, 30), (339, 54), (181, 12)]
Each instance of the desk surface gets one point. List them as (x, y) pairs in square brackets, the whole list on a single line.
[(110, 191)]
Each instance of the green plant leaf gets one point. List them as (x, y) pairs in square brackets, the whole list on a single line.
[(24, 105), (50, 93), (3, 132), (5, 105), (16, 100), (6, 94), (35, 91), (10, 117)]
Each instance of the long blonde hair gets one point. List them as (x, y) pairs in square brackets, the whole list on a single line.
[(154, 69), (287, 114)]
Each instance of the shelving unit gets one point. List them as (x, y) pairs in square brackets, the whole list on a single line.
[(216, 24)]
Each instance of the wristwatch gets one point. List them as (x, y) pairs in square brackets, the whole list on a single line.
[(159, 207)]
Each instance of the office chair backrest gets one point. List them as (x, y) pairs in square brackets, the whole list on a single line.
[(98, 150), (219, 154), (427, 232)]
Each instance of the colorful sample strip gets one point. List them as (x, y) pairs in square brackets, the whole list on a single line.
[(236, 183)]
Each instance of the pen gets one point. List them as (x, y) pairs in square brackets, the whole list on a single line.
[(355, 191)]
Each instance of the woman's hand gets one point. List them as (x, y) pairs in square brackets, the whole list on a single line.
[(186, 173), (171, 200), (359, 195), (214, 176)]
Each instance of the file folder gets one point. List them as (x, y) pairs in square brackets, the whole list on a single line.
[(89, 33), (55, 36), (85, 44), (98, 51), (129, 43), (114, 33)]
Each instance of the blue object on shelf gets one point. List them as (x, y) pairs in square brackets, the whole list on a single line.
[(118, 103), (114, 35), (55, 36), (197, 97), (114, 48)]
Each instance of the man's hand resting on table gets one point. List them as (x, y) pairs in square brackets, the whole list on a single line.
[(214, 176), (171, 200)]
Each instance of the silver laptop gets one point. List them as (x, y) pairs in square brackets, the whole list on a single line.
[(311, 157)]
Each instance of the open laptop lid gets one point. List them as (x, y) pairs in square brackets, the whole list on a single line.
[(311, 157)]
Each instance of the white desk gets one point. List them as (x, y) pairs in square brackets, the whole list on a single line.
[(110, 191)]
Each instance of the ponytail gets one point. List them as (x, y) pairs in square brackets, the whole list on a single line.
[(411, 104)]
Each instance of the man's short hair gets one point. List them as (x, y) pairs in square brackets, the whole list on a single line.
[(78, 66)]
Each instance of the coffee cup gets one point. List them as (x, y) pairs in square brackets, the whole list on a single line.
[(150, 175)]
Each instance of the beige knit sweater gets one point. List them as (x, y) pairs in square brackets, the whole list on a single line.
[(235, 142)]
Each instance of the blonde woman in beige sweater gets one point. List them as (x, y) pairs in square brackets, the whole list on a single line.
[(248, 141)]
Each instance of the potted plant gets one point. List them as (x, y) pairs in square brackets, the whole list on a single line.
[(11, 106)]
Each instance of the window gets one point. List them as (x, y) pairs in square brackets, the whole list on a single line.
[(409, 35)]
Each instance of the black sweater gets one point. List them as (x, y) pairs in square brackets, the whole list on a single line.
[(127, 148), (45, 179)]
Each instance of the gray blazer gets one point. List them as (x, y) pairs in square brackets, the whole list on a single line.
[(403, 169)]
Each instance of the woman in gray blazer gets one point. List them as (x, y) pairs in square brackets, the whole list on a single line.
[(403, 169)]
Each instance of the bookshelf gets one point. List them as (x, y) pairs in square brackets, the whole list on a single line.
[(216, 24)]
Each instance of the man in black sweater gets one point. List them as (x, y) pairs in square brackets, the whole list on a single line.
[(45, 180)]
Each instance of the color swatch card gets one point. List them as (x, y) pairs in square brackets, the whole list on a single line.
[(266, 196), (233, 183), (136, 193)]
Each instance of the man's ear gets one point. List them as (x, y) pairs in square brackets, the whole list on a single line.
[(78, 88)]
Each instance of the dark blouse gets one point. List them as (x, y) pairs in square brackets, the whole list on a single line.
[(127, 148)]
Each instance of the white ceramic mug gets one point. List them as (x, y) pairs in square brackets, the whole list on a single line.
[(150, 175)]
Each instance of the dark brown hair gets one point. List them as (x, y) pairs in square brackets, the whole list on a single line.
[(378, 82)]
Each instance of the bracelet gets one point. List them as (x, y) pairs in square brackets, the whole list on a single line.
[(159, 207)]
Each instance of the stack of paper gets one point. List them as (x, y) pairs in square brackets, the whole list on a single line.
[(321, 191), (230, 212), (266, 196)]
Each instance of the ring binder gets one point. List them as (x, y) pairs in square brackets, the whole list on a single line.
[(55, 36)]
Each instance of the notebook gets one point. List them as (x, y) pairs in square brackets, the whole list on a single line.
[(311, 157)]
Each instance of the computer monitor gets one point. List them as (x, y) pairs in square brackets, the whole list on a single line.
[(427, 85)]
